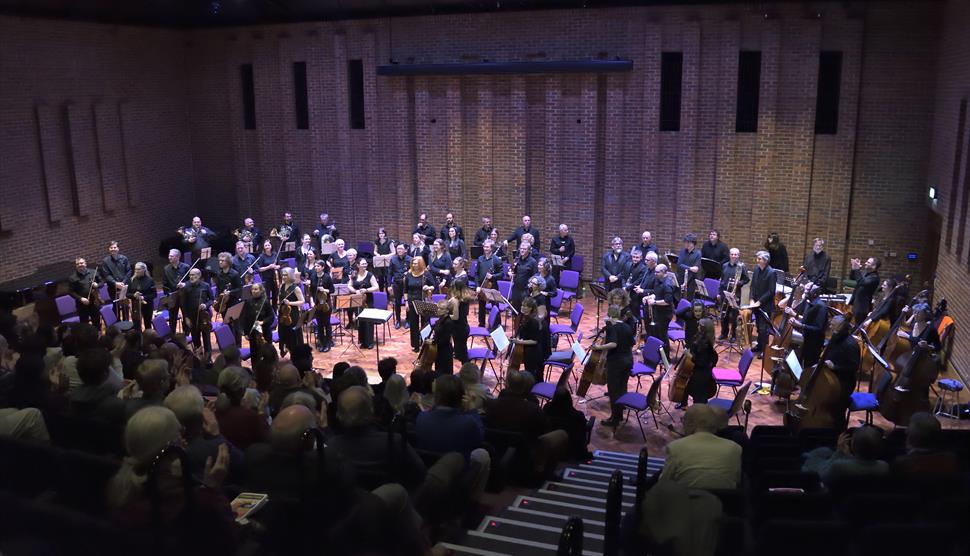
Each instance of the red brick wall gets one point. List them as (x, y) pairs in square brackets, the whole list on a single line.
[(953, 85), (99, 110), (582, 149)]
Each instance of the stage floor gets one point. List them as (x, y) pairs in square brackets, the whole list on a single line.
[(766, 409)]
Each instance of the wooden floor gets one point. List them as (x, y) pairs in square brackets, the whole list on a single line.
[(766, 409)]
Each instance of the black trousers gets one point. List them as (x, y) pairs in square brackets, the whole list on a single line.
[(324, 329), (173, 316), (460, 333), (482, 314), (290, 337), (729, 321), (763, 325), (398, 288), (699, 386), (199, 339), (661, 319), (515, 298), (89, 314), (416, 324), (617, 379), (143, 316), (273, 288)]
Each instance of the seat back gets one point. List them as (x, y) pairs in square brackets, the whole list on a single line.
[(578, 264), (576, 315), (160, 324), (290, 262), (224, 337), (108, 314), (682, 304), (746, 358), (505, 288), (651, 351), (493, 318), (739, 399), (556, 301), (380, 300), (66, 306), (569, 280), (712, 286), (365, 248), (437, 298)]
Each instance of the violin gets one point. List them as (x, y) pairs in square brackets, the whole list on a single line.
[(321, 301)]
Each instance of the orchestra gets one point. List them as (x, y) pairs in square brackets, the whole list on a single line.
[(829, 334)]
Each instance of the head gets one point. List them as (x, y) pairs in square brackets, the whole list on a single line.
[(267, 247), (697, 309), (818, 245), (713, 236), (150, 431), (249, 223), (196, 222), (470, 374), (340, 245), (174, 255), (396, 392), (422, 219), (417, 239), (763, 258), (186, 403), (705, 331), (449, 218), (526, 221), (141, 269), (453, 233), (867, 443), (233, 382), (528, 307), (651, 259), (661, 271), (286, 434), (457, 265), (873, 264), (355, 408), (257, 290), (81, 265), (448, 391), (306, 239), (773, 241), (735, 255), (362, 265), (324, 218), (488, 248), (519, 383), (840, 327), (536, 284), (563, 230), (287, 274), (646, 238), (225, 260), (401, 250), (923, 432), (240, 249), (387, 368), (524, 249), (438, 246), (636, 256), (417, 265), (287, 376), (613, 312), (701, 418), (287, 217), (92, 366), (493, 235), (486, 222), (381, 234), (617, 245), (153, 378), (690, 242)]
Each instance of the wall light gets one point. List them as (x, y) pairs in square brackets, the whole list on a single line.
[(932, 193)]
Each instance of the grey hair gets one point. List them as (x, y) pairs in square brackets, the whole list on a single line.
[(563, 227), (763, 255), (396, 392), (299, 398), (176, 252), (355, 408), (661, 267), (651, 256), (700, 418), (536, 281), (232, 379), (186, 403), (147, 433)]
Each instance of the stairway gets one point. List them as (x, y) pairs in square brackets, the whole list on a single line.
[(533, 523)]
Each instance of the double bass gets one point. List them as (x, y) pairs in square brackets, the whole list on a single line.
[(818, 399), (594, 368), (908, 392)]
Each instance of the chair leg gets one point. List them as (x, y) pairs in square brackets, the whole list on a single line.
[(640, 422)]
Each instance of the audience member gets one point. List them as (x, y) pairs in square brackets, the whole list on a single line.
[(476, 393), (23, 424), (924, 457), (395, 402), (562, 415), (856, 454), (701, 459), (242, 425), (288, 381), (96, 397), (200, 430), (153, 381)]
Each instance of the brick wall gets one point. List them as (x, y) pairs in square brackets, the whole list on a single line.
[(953, 85), (582, 149), (94, 141)]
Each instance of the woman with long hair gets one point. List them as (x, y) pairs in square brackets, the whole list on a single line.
[(362, 281), (460, 292), (382, 246), (701, 383), (292, 300), (417, 281), (528, 334)]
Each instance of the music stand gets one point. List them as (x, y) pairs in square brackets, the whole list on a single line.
[(712, 268), (353, 301), (382, 261), (556, 260), (375, 317), (599, 292), (731, 346), (772, 331), (234, 313)]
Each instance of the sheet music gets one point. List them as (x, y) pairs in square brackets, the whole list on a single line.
[(425, 332), (382, 261), (501, 339), (557, 260), (580, 352)]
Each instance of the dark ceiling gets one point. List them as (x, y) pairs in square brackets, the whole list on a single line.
[(219, 13)]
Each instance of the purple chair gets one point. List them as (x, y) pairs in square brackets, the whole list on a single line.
[(677, 336), (365, 248), (575, 316), (436, 298), (103, 292), (111, 319), (733, 377), (160, 324), (67, 309), (187, 258), (555, 304), (638, 403), (650, 353), (732, 407), (290, 262), (562, 360), (569, 282), (680, 305), (544, 391), (712, 286), (867, 401), (225, 338), (380, 302), (486, 356), (472, 272), (577, 264), (480, 332)]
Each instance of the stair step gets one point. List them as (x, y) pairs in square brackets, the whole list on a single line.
[(559, 507), (552, 519), (537, 533), (582, 499), (586, 490), (619, 455), (630, 473), (459, 550), (502, 544), (600, 476), (652, 463)]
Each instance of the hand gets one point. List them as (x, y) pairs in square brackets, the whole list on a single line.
[(191, 240), (57, 379), (789, 311), (210, 425), (645, 299), (217, 470), (180, 285), (613, 278), (316, 233), (565, 260), (562, 248), (263, 402), (129, 391), (95, 285), (844, 444), (322, 420), (638, 289), (755, 305), (856, 264), (830, 364), (694, 269), (85, 301), (202, 307), (866, 323)]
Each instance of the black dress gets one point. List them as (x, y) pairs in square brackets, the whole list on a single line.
[(413, 286), (460, 332), (444, 329), (702, 381), (545, 345), (365, 330), (381, 273), (619, 362), (290, 336), (269, 276), (530, 329)]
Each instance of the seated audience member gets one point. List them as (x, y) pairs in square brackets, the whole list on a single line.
[(78, 339), (351, 376), (228, 357), (242, 425), (208, 528), (386, 368), (924, 457), (476, 393), (395, 402), (701, 459), (154, 382), (264, 366), (448, 428), (131, 354), (514, 411), (33, 386), (200, 429), (421, 384), (288, 381), (562, 415), (23, 424), (96, 397), (856, 454)]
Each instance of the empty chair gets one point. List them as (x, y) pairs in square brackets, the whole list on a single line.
[(365, 248), (650, 356), (575, 317), (111, 319), (733, 377), (555, 304), (712, 287), (225, 338), (733, 407), (569, 283), (67, 309), (380, 301), (485, 332), (160, 324), (578, 264)]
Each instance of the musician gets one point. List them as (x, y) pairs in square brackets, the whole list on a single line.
[(525, 228), (115, 270), (500, 248), (305, 249), (440, 265), (306, 267), (459, 291), (536, 293), (362, 281), (425, 229), (528, 334), (778, 252), (197, 237), (522, 269), (843, 358), (867, 280), (267, 264), (620, 339), (321, 283), (444, 330), (351, 268), (888, 309), (417, 282), (82, 285), (242, 262), (646, 285), (173, 276), (615, 266), (715, 249), (638, 269), (733, 277), (398, 267), (326, 227), (382, 246), (549, 287), (690, 316), (451, 225), (250, 235), (810, 317), (701, 381), (489, 268), (818, 263), (454, 244), (419, 248), (661, 302), (288, 224), (340, 259), (257, 318), (533, 246), (764, 282), (196, 298), (647, 244), (921, 319), (292, 300), (564, 247), (483, 233), (141, 292), (229, 284), (457, 271), (689, 259)]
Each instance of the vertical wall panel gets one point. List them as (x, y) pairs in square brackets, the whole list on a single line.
[(58, 190), (110, 160)]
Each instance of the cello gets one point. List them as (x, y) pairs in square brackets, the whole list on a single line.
[(908, 393), (594, 368), (818, 398)]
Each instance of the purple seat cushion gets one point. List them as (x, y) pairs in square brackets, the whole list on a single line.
[(633, 400), (640, 369), (726, 375), (561, 329), (722, 403), (544, 390), (951, 384), (676, 335), (477, 332), (863, 401), (481, 353), (71, 319)]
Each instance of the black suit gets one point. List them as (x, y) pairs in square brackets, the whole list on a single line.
[(426, 230), (729, 319), (493, 266), (817, 267), (397, 267), (524, 269), (618, 265), (481, 236), (865, 287), (193, 295), (458, 231), (686, 260), (79, 286), (170, 281), (813, 331), (764, 282), (521, 231), (115, 271), (568, 249)]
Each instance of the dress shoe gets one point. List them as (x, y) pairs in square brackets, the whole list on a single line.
[(610, 423), (406, 326), (397, 326), (326, 348)]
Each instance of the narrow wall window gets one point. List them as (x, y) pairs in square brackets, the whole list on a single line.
[(827, 98), (300, 106), (749, 89), (671, 76), (355, 89), (248, 96)]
